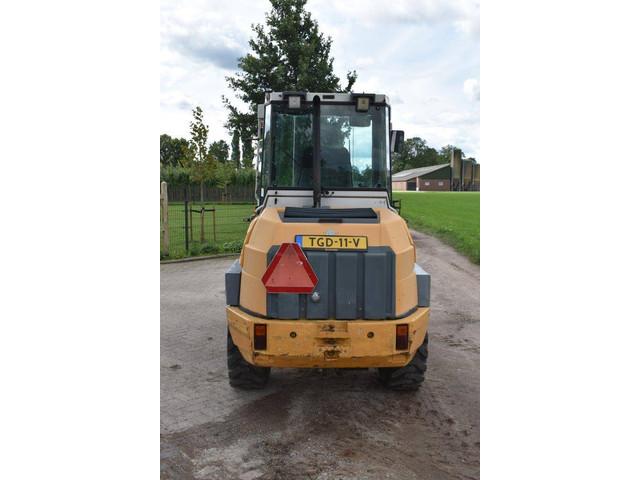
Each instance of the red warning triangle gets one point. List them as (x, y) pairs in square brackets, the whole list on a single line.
[(290, 271)]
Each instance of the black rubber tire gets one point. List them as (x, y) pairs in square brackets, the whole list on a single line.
[(241, 373), (409, 377)]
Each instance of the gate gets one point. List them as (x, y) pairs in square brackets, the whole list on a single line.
[(191, 228)]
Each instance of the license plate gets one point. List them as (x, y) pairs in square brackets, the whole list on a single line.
[(332, 242)]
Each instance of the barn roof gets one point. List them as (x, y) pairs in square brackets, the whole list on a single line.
[(415, 172)]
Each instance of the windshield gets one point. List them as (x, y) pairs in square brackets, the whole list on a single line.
[(354, 148)]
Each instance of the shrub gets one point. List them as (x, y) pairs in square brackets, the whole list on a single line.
[(210, 248), (245, 176), (232, 247), (178, 176), (195, 249), (225, 173)]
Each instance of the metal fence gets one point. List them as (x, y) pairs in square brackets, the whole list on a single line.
[(189, 227), (228, 194)]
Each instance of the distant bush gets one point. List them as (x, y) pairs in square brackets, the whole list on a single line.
[(232, 247), (245, 176), (226, 174), (195, 249), (180, 176), (210, 248)]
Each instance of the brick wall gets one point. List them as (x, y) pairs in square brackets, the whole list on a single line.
[(399, 186), (432, 184)]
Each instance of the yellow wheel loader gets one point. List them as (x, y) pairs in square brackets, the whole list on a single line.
[(327, 276)]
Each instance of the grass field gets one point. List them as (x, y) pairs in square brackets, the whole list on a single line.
[(230, 228), (454, 217)]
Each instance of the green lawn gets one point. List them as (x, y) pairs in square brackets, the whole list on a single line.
[(227, 236), (454, 217)]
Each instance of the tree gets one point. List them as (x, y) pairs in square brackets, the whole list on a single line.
[(235, 149), (288, 53), (220, 151), (445, 153), (172, 150), (198, 158), (415, 154), (247, 149)]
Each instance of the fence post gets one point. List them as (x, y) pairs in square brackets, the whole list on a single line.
[(214, 224), (201, 224), (186, 225), (164, 209), (191, 223)]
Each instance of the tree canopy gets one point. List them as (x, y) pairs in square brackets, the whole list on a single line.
[(235, 149), (199, 160), (220, 151), (416, 153), (287, 53), (172, 150), (184, 162)]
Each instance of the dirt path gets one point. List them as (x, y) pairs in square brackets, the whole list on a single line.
[(311, 424)]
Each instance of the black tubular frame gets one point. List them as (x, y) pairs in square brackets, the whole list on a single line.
[(315, 126)]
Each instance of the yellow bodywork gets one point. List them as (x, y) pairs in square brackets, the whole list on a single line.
[(326, 343)]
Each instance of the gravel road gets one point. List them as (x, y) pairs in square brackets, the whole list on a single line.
[(314, 424)]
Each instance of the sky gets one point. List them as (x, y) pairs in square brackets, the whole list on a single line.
[(423, 54)]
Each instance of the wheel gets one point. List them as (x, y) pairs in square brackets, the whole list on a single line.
[(409, 377), (241, 373)]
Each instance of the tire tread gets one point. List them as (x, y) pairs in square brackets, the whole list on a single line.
[(411, 376), (242, 374)]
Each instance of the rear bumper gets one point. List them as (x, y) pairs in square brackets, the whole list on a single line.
[(327, 343)]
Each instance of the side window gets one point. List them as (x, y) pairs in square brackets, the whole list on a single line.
[(267, 150), (288, 156)]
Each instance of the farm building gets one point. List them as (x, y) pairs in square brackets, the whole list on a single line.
[(465, 176)]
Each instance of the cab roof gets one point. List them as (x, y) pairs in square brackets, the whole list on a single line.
[(332, 97)]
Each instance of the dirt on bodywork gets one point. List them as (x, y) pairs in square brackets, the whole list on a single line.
[(318, 424)]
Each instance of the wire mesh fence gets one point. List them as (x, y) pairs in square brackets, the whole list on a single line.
[(207, 193), (197, 228)]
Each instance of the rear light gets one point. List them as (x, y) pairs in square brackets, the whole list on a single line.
[(259, 336), (402, 336)]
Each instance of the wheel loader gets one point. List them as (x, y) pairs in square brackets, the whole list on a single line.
[(327, 276)]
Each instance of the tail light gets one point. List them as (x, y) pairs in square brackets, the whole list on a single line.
[(259, 336), (402, 336)]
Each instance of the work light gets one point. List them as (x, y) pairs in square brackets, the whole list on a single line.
[(294, 101), (362, 104)]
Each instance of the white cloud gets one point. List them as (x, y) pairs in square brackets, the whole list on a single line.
[(176, 100), (418, 52), (471, 89), (464, 15)]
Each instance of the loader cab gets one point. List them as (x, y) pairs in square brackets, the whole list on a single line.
[(325, 149)]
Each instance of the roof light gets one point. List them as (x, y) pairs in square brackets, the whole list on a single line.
[(362, 104), (294, 101)]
